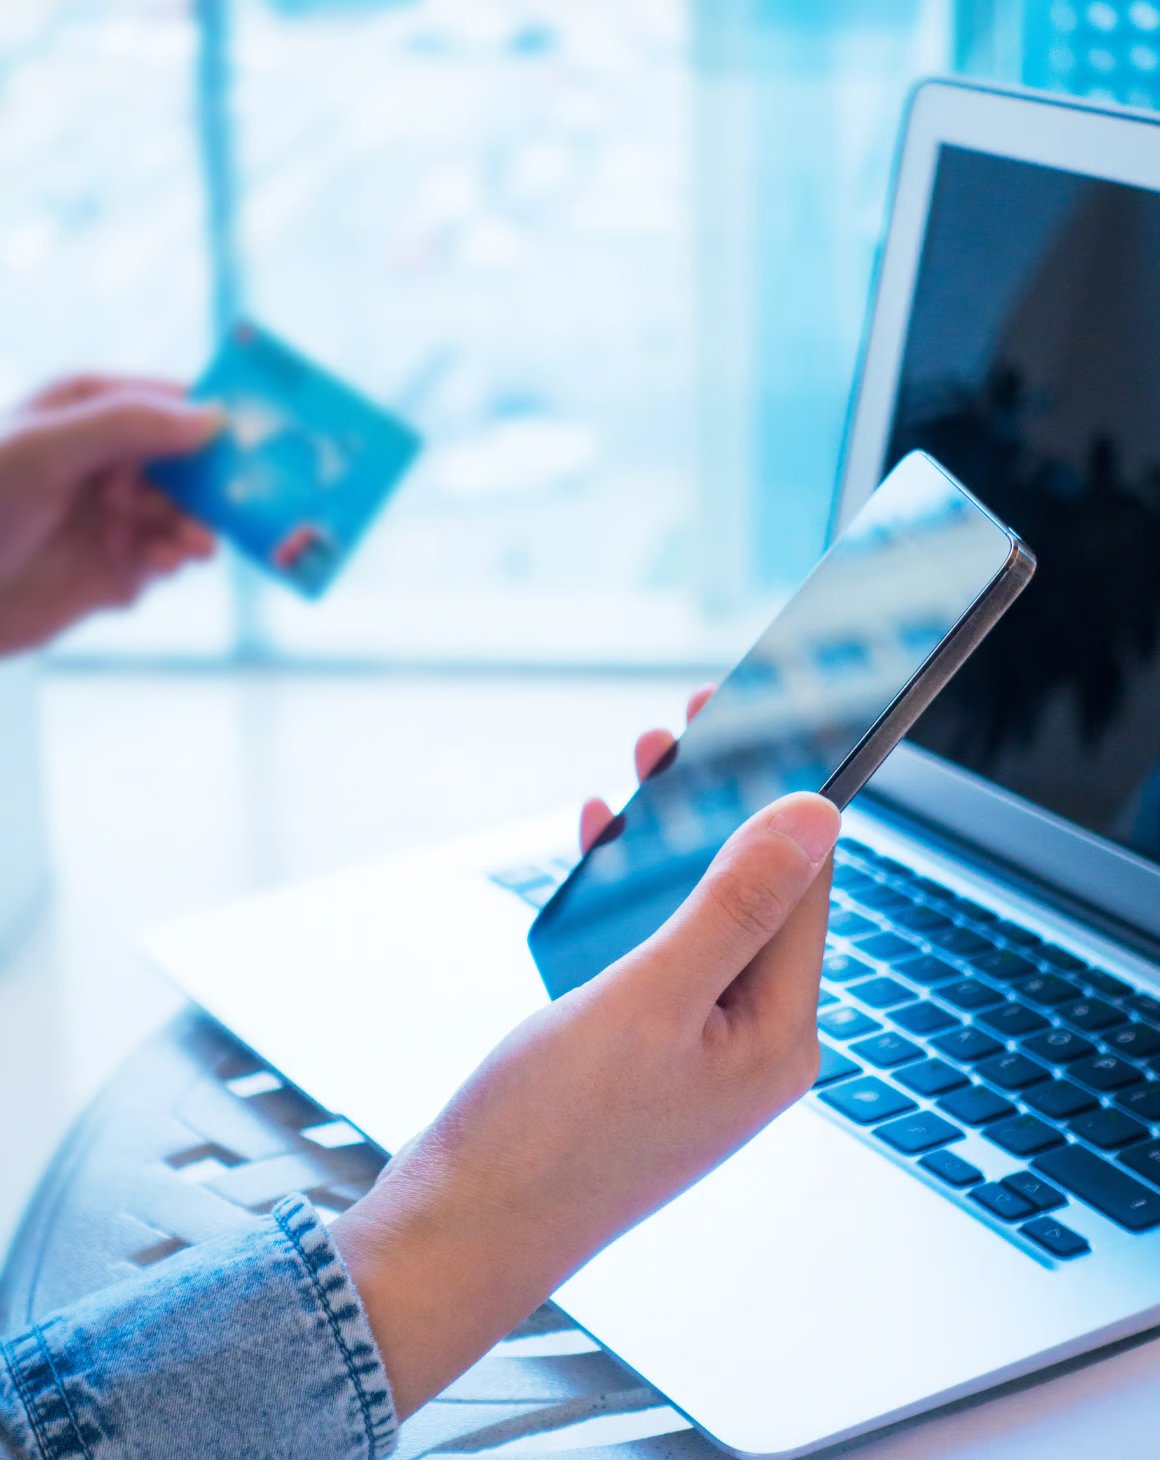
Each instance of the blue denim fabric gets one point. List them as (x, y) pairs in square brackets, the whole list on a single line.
[(253, 1347)]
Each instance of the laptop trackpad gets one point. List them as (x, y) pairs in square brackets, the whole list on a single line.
[(810, 1287)]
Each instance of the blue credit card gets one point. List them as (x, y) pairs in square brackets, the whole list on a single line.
[(302, 468)]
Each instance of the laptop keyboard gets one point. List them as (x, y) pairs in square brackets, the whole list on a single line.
[(938, 1017)]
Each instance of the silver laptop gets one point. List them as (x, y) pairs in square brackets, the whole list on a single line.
[(973, 1189)]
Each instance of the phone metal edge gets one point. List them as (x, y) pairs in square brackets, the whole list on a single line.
[(935, 673)]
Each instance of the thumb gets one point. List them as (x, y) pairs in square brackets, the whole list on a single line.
[(752, 886), (121, 428)]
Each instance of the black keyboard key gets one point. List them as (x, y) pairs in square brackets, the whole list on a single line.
[(1060, 959), (1005, 965), (1042, 1196), (926, 970), (1059, 1099), (881, 993), (825, 997), (1145, 1004), (1108, 1129), (885, 947), (958, 940), (842, 967), (970, 994), (1011, 1020), (1105, 1072), (850, 847), (886, 1050), (867, 1100), (1055, 1238), (1023, 1135), (1059, 1046), (847, 1023), (1142, 1101), (833, 1067), (919, 1132), (1092, 1015), (967, 1045), (931, 1077), (1048, 990), (1011, 1071), (848, 924), (920, 917), (976, 1105), (924, 1018), (1002, 1201), (880, 897), (1015, 933), (972, 910), (951, 1168), (851, 879), (1144, 1160), (1134, 1041), (1119, 1196), (1104, 983)]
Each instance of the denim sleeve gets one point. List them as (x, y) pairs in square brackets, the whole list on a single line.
[(255, 1347)]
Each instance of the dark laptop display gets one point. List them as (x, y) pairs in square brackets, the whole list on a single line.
[(1032, 370)]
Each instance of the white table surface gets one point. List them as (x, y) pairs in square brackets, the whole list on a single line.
[(171, 793)]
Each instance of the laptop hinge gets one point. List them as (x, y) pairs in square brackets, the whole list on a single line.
[(979, 859)]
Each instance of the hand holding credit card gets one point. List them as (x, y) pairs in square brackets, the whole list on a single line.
[(302, 467)]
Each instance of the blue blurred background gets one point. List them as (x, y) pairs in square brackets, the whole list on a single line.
[(612, 257)]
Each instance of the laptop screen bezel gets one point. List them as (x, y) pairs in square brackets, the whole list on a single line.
[(1119, 146)]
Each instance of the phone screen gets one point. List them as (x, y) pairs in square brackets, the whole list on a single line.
[(905, 572)]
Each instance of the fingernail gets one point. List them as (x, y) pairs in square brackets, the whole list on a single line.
[(668, 759), (811, 821), (614, 828)]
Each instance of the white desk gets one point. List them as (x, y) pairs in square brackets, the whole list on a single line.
[(293, 777)]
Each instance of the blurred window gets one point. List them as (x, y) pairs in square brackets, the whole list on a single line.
[(612, 258)]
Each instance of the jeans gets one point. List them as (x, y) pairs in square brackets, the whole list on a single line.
[(252, 1347)]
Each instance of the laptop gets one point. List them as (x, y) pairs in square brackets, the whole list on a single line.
[(972, 1191)]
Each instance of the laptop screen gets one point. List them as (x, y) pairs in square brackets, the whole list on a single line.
[(1031, 369)]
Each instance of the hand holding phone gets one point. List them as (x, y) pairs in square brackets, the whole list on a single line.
[(895, 607)]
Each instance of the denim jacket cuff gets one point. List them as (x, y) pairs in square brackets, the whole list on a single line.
[(255, 1344)]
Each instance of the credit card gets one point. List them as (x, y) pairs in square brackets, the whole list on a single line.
[(303, 467)]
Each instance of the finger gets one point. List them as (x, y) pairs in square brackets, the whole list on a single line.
[(129, 427), (117, 491), (152, 515), (153, 510), (195, 540), (162, 557), (595, 819), (170, 542), (778, 992), (85, 386), (698, 700), (752, 886), (161, 510), (189, 542), (654, 751)]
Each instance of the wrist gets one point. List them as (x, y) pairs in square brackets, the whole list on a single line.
[(443, 1274)]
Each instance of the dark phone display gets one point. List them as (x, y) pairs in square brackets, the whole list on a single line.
[(1032, 371), (902, 575)]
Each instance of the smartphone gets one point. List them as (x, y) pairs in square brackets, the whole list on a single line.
[(898, 603)]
